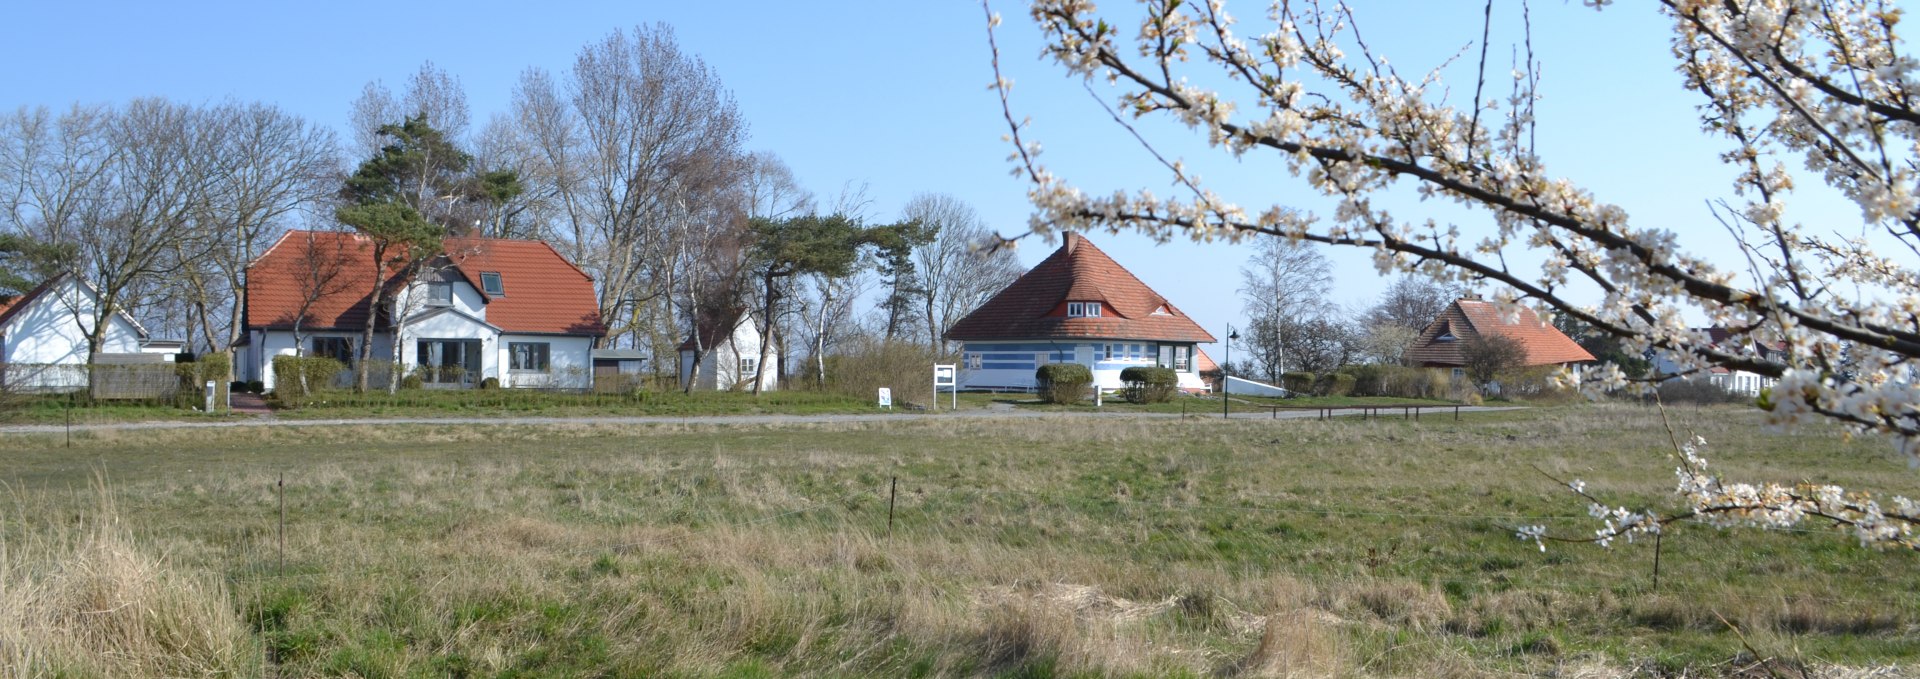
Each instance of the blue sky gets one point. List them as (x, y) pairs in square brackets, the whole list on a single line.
[(893, 95)]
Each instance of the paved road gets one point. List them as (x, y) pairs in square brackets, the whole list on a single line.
[(1002, 412)]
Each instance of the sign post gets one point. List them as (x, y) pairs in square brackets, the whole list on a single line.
[(886, 398), (946, 375)]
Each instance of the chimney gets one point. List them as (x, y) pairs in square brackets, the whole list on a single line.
[(1072, 240)]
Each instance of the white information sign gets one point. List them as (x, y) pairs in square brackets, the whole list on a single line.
[(946, 375), (886, 398)]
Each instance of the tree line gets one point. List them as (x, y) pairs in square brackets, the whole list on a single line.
[(634, 163)]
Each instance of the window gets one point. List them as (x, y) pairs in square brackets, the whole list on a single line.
[(1077, 309), (440, 293), (1091, 308), (490, 281), (1180, 354), (750, 365), (336, 348), (973, 361), (530, 356)]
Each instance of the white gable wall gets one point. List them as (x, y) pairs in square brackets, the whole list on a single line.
[(720, 366), (52, 331)]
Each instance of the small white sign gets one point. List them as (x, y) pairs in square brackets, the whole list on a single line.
[(944, 375), (886, 398)]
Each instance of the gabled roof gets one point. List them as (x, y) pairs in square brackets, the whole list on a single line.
[(544, 293), (1033, 307), (1469, 319), (13, 305)]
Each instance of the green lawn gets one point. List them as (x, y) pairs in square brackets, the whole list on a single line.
[(1032, 547), (517, 402)]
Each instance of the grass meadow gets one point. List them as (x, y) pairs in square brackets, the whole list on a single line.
[(1030, 547)]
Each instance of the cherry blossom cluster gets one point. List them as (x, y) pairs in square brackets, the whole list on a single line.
[(1707, 499), (1818, 83)]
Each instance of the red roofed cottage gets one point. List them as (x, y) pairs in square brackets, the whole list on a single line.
[(515, 310), (1443, 343), (1076, 306)]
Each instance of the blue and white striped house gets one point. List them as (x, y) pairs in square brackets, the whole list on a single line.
[(1076, 306)]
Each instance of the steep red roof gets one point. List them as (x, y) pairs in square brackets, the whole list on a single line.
[(1034, 306), (1467, 319), (543, 292)]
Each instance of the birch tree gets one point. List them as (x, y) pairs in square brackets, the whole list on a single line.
[(958, 268), (1821, 84)]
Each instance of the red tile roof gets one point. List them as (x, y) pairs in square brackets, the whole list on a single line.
[(543, 292), (1467, 319), (1034, 306)]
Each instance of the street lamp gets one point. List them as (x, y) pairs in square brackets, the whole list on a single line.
[(1225, 403)]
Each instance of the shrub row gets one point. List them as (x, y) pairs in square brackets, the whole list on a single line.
[(318, 373), (1147, 384)]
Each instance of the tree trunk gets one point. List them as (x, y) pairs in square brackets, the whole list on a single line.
[(373, 316)]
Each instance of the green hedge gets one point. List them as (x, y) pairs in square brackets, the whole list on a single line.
[(319, 371), (194, 375), (1336, 384), (1147, 384), (1064, 382), (1300, 383)]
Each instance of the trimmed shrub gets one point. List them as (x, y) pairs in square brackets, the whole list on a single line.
[(1297, 382), (490, 383), (1064, 383), (215, 368), (287, 371), (1147, 384), (414, 380), (1368, 380), (1336, 384), (256, 387)]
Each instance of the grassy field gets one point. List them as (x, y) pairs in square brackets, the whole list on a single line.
[(1040, 547)]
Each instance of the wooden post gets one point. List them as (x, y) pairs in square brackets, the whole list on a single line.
[(1656, 558), (1456, 412), (893, 491), (69, 420), (281, 487)]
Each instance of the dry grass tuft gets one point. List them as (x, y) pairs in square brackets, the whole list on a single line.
[(1297, 643), (96, 604)]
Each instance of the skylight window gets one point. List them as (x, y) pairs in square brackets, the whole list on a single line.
[(490, 281), (1077, 309)]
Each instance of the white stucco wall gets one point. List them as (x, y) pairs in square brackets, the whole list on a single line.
[(720, 365), (270, 343), (52, 331)]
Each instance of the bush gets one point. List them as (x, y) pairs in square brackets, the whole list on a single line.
[(194, 375), (490, 383), (414, 380), (256, 387), (287, 371), (1336, 384), (862, 366), (1369, 379), (1297, 382), (1064, 383), (1146, 384)]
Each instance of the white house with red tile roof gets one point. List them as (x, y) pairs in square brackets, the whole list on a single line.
[(515, 310), (1442, 344), (1076, 306), (43, 336), (1735, 381)]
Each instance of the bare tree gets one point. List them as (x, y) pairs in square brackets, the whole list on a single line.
[(1489, 356), (321, 271), (1284, 288), (1405, 308), (958, 270), (430, 93), (639, 140)]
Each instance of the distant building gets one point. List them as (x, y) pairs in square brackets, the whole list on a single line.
[(728, 349), (1076, 306), (1442, 344), (43, 336), (1735, 381), (514, 310)]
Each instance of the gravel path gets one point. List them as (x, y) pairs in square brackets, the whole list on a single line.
[(998, 411)]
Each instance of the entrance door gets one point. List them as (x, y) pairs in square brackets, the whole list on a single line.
[(449, 363)]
